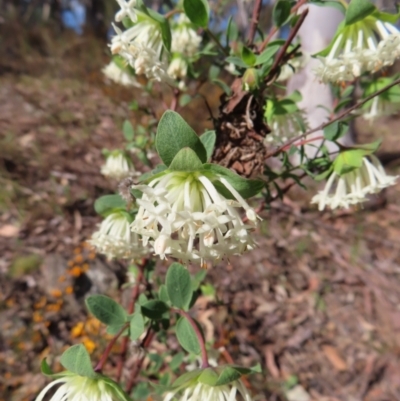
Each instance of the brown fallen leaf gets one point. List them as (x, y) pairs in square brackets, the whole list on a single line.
[(334, 358), (9, 231)]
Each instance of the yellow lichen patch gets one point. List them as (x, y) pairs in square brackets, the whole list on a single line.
[(70, 263), (85, 267), (92, 326), (61, 279), (78, 251), (41, 303), (77, 330), (89, 344), (53, 307)]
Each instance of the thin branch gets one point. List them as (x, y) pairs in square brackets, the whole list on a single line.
[(217, 42), (337, 118), (254, 21)]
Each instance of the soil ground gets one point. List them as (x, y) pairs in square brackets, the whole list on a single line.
[(317, 304)]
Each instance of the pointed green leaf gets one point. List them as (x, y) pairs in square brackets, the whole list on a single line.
[(179, 286), (208, 140), (268, 54), (106, 310), (76, 359), (187, 336), (197, 11), (281, 12), (358, 10), (186, 378), (128, 131), (228, 375), (329, 3), (122, 396), (45, 368), (174, 134), (186, 160), (248, 56), (335, 130)]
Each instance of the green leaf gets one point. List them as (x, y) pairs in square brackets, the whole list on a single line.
[(248, 56), (186, 160), (136, 328), (128, 131), (327, 3), (348, 160), (153, 173), (186, 378), (208, 376), (237, 61), (268, 54), (154, 309), (174, 134), (163, 294), (335, 130), (281, 12), (387, 17), (358, 10), (76, 359), (45, 368), (179, 286), (197, 11), (208, 140), (228, 375), (187, 336), (232, 31), (106, 310), (107, 203), (246, 188)]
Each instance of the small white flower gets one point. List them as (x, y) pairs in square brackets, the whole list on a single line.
[(117, 165), (292, 66), (127, 10), (79, 388), (380, 107), (142, 47), (119, 76), (115, 239), (185, 39), (286, 126), (365, 46), (188, 219), (353, 187), (197, 391), (178, 68)]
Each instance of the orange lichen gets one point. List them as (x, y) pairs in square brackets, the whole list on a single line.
[(92, 255), (78, 259), (76, 271), (56, 293), (78, 251), (89, 344), (69, 290), (42, 302), (61, 279), (85, 267), (53, 307), (37, 317)]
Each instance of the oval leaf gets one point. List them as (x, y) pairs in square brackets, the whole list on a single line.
[(107, 203), (174, 134), (136, 326), (197, 11), (76, 359), (179, 286), (187, 337), (358, 10), (281, 12), (208, 140), (106, 310)]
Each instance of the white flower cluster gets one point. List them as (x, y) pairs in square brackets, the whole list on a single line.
[(117, 166), (187, 218), (79, 388), (115, 239), (198, 391), (365, 46), (353, 187), (285, 127), (140, 45), (119, 76), (185, 39)]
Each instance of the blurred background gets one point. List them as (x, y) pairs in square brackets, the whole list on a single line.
[(317, 304)]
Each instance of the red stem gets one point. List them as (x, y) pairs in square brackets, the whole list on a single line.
[(204, 356)]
